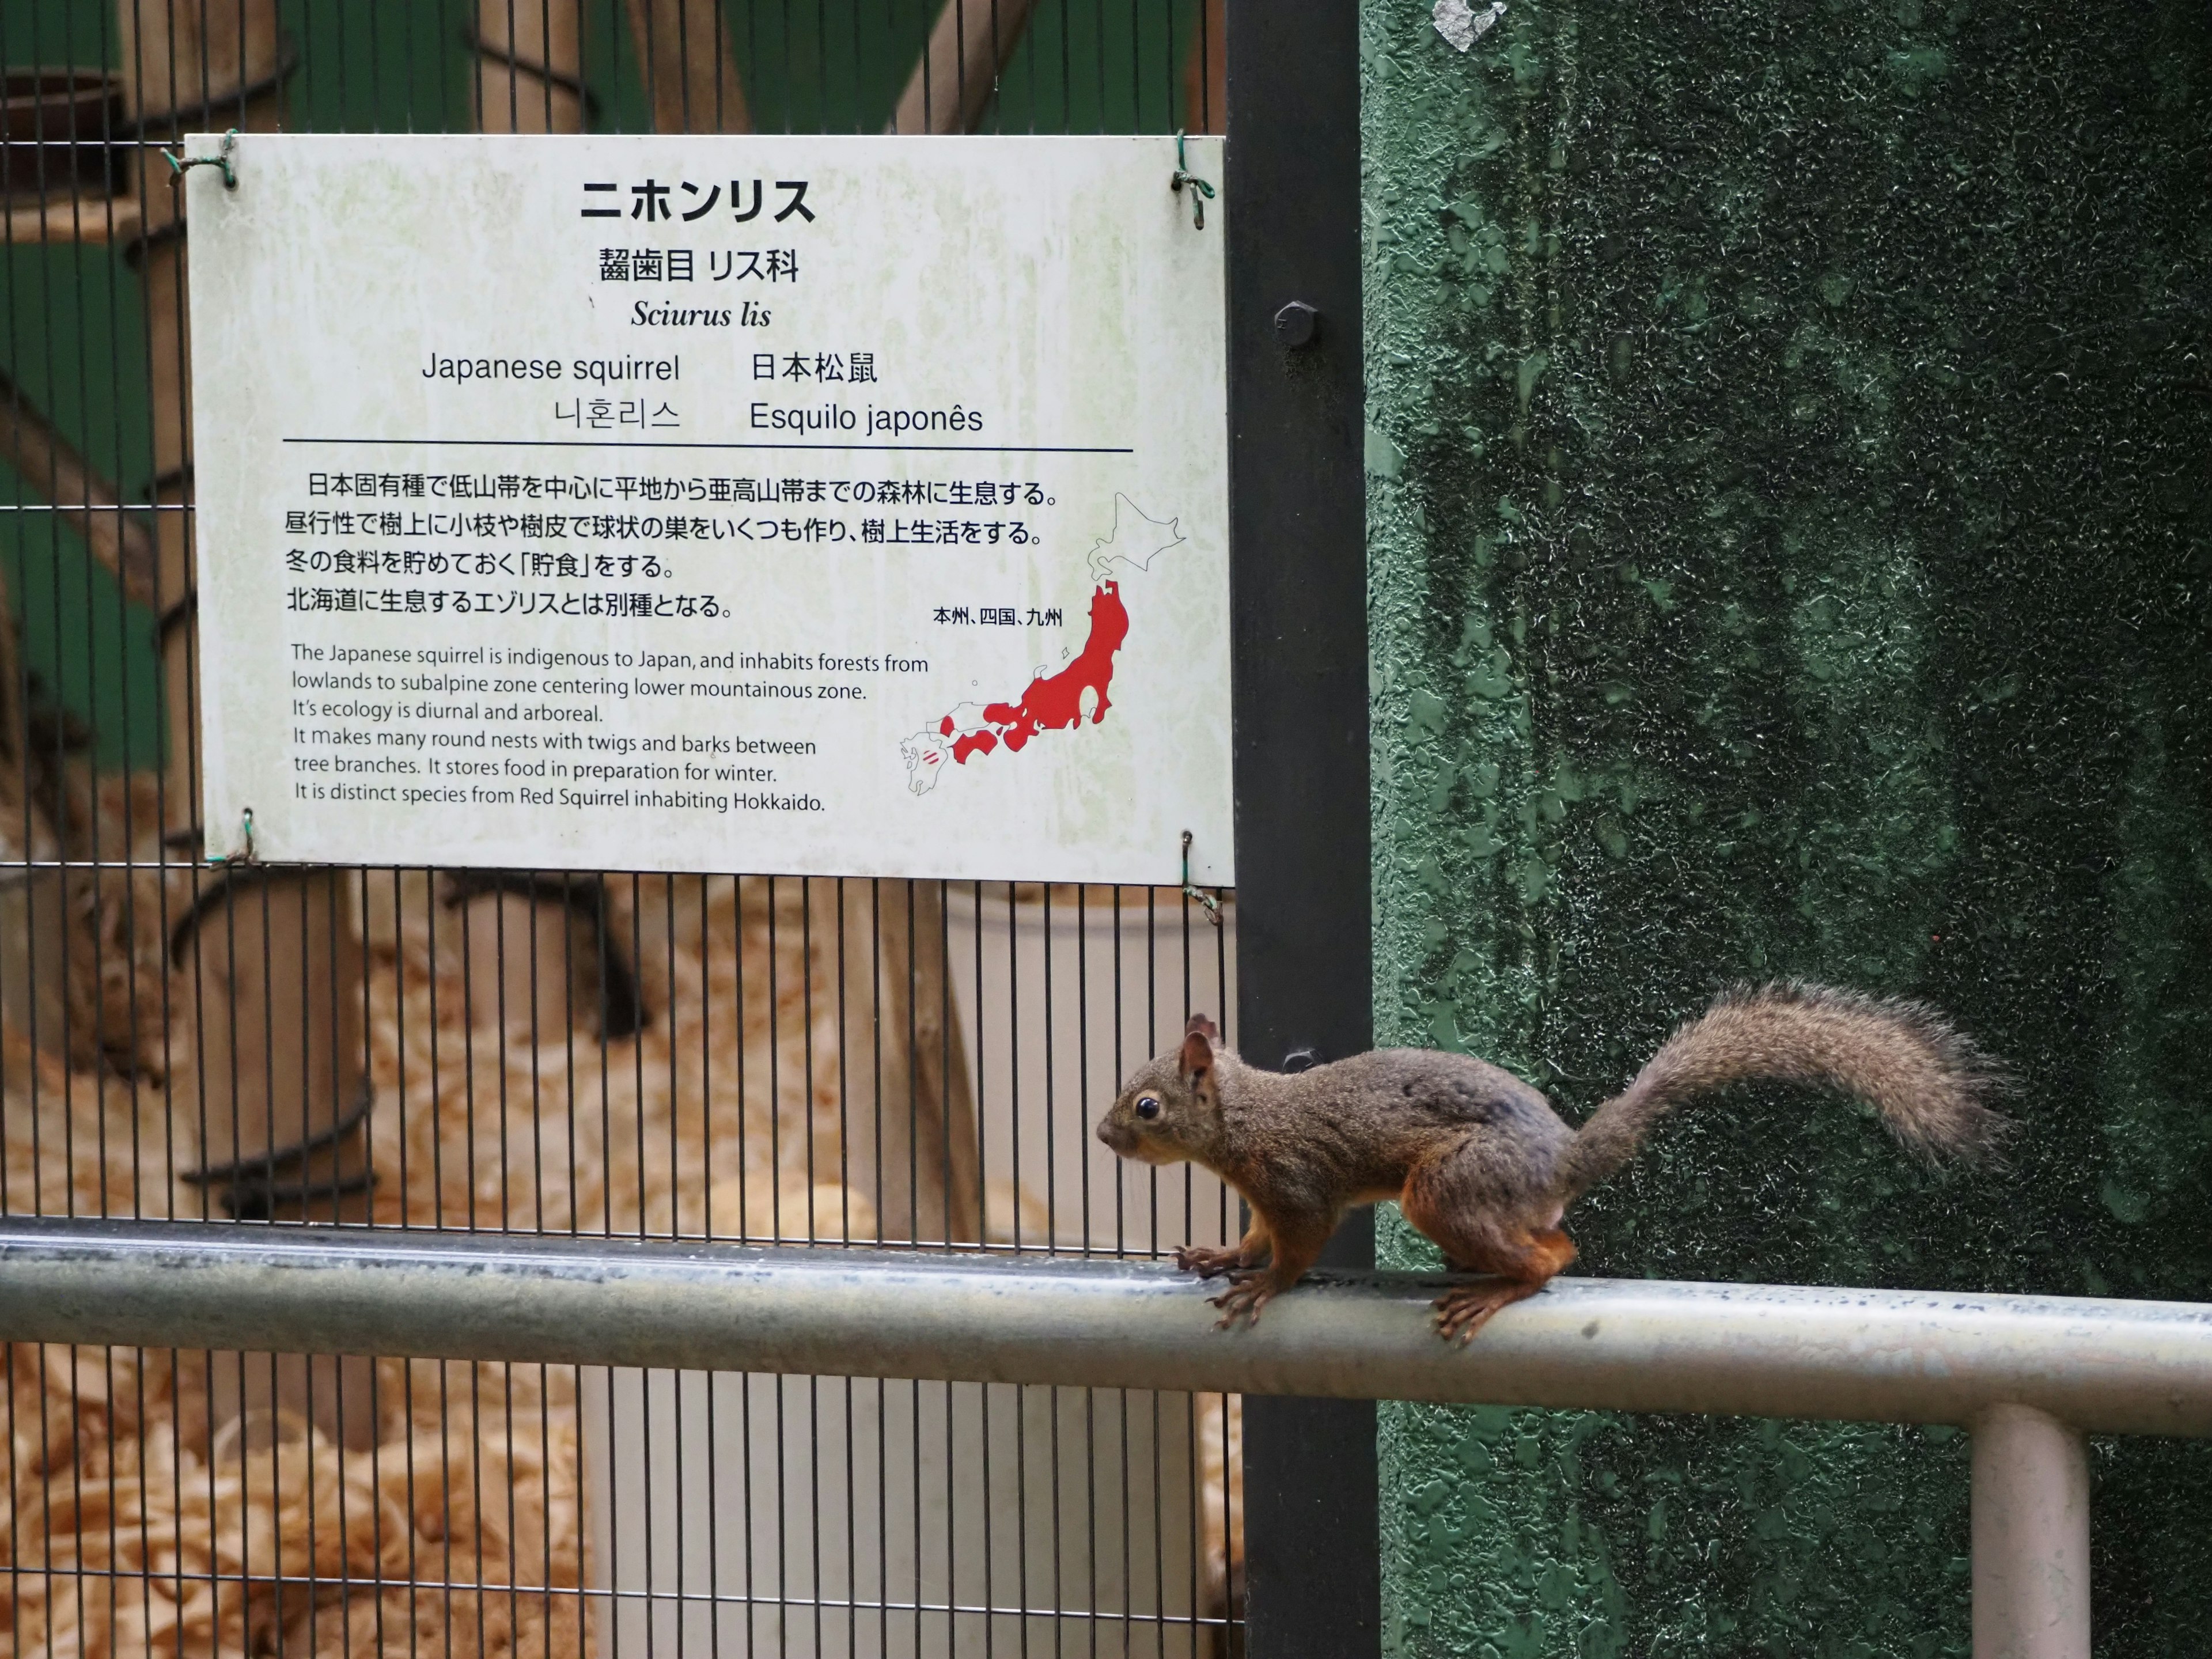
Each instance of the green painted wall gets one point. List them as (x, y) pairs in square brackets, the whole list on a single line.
[(1791, 554)]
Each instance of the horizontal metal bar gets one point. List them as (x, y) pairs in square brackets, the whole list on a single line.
[(1627, 1345)]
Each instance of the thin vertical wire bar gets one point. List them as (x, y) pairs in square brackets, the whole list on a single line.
[(1128, 1576), (1150, 1031), (790, 77), (913, 1069), (414, 1538), (376, 1520), (637, 1049), (1184, 1002), (706, 1063), (1013, 1066), (668, 885), (22, 734), (715, 1525), (536, 1015), (615, 1520), (499, 1052), (545, 1490), (400, 1039), (469, 1058), (545, 81), (814, 1385), (514, 1532), (679, 1470), (946, 1014), (1090, 1514), (1066, 65), (1029, 48), (1051, 1161), (53, 539), (751, 1583), (276, 1550), (982, 1067), (998, 124), (1121, 1069), (1136, 68), (875, 1053), (806, 1040), (775, 1061), (844, 1091), (744, 1100), (959, 103), (437, 1093), (16, 1570), (602, 959), (1083, 1053)]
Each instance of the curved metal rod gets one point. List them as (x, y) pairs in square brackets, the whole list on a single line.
[(1746, 1350)]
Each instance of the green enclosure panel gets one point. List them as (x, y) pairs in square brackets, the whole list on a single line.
[(1790, 432)]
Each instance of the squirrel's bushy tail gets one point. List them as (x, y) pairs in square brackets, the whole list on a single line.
[(1932, 1085)]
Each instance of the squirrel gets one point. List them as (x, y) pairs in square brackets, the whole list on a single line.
[(1479, 1162)]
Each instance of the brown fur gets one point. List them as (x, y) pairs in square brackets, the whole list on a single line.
[(1480, 1163)]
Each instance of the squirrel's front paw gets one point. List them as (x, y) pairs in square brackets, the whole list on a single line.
[(1249, 1291), (1207, 1260)]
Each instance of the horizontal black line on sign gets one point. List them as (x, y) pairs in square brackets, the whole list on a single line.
[(656, 443)]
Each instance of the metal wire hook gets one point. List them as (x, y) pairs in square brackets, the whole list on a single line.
[(226, 160), (1213, 904), (1200, 194), (244, 855)]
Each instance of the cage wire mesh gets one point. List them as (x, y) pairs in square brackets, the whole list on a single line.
[(826, 1062)]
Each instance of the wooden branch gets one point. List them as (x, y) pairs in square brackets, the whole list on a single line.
[(959, 69), (689, 70), (62, 220), (81, 496)]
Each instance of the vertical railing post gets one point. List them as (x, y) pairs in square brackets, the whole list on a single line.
[(2031, 1537), (1298, 598)]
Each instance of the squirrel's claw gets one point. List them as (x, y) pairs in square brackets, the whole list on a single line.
[(1249, 1291), (1461, 1312)]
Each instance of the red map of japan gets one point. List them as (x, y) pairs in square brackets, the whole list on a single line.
[(1056, 700)]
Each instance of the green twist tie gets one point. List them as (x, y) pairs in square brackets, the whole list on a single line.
[(179, 167), (1212, 903), (244, 855), (1201, 191)]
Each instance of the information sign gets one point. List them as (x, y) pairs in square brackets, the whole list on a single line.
[(823, 505)]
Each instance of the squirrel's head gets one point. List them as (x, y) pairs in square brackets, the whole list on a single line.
[(1171, 1109)]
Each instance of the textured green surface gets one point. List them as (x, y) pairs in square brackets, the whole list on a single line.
[(1791, 556)]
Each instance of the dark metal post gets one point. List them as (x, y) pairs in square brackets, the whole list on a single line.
[(1298, 573)]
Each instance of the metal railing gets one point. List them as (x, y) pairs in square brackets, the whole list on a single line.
[(2028, 1376)]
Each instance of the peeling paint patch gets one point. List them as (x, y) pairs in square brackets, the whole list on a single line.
[(1461, 26)]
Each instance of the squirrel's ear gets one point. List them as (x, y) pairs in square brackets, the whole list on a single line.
[(1204, 1028), (1197, 1057)]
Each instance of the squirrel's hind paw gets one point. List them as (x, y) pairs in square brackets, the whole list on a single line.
[(1461, 1312), (1249, 1291)]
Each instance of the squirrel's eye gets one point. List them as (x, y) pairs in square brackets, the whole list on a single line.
[(1147, 1107)]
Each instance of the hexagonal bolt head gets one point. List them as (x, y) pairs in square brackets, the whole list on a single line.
[(1296, 323)]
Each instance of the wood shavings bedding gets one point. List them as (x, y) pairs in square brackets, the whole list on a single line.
[(138, 1526)]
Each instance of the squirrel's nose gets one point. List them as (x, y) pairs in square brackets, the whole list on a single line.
[(1106, 1133)]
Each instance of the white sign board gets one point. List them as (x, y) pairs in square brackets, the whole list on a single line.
[(823, 505)]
